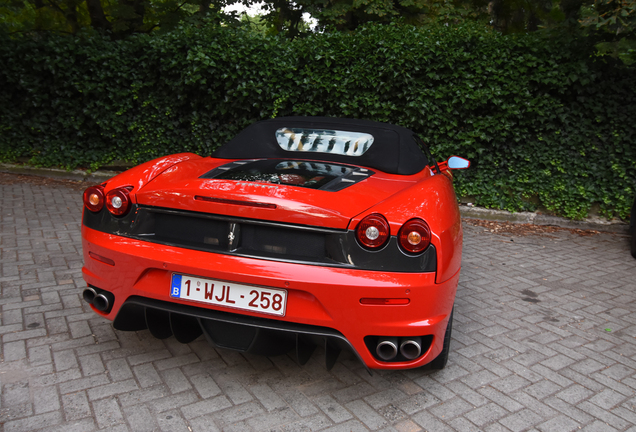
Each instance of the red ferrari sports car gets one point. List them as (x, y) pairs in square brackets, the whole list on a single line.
[(299, 232)]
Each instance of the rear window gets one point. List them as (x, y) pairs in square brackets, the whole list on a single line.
[(324, 141)]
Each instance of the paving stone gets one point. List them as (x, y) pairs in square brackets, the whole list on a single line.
[(336, 412), (147, 396), (451, 408), (171, 421), (234, 390), (521, 420), (607, 399), (16, 411), (366, 414), (272, 419), (267, 397), (113, 389), (350, 426), (13, 351), (84, 425), (175, 380), (604, 415), (76, 406), (107, 413), (298, 402), (559, 424), (45, 399), (599, 426), (39, 421), (91, 365), (430, 423), (14, 393), (239, 413), (486, 414), (118, 370), (385, 397), (146, 375), (205, 385), (313, 423), (140, 419), (204, 424), (205, 407)]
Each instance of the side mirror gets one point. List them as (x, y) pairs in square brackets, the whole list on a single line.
[(456, 162), (453, 162)]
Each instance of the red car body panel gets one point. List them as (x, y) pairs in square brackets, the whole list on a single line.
[(142, 174), (327, 296)]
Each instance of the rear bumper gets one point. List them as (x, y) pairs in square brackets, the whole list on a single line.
[(323, 302)]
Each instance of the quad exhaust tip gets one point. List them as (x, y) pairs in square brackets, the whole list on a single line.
[(89, 295), (387, 348), (411, 348), (99, 299), (101, 303)]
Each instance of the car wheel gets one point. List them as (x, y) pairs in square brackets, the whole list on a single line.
[(632, 228), (441, 360)]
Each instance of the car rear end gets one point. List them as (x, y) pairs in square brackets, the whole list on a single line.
[(252, 278)]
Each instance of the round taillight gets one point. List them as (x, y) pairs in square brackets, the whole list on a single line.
[(414, 236), (373, 231), (94, 198), (118, 201)]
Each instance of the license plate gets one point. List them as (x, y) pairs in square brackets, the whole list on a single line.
[(256, 299)]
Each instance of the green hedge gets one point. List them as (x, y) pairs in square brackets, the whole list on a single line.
[(544, 122)]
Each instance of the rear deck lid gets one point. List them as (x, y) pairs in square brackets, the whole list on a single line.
[(323, 194)]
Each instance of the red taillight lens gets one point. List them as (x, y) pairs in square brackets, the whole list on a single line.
[(414, 236), (94, 198), (118, 201), (373, 231)]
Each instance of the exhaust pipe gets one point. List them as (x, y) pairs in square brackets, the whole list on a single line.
[(89, 295), (103, 301), (411, 347), (387, 348)]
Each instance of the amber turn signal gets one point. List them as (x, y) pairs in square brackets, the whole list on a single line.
[(94, 198), (414, 236)]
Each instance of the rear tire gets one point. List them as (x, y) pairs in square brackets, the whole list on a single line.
[(440, 361)]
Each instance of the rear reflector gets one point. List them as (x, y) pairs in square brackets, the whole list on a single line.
[(234, 202), (101, 258), (385, 301)]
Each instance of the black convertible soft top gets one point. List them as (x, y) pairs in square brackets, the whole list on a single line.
[(394, 149)]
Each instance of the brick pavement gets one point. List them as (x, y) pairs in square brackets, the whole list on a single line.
[(544, 340)]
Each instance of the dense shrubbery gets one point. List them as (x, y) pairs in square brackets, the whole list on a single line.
[(543, 121)]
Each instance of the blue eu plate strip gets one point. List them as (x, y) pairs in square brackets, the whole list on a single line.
[(175, 289)]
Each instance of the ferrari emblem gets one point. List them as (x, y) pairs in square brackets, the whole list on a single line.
[(233, 236)]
